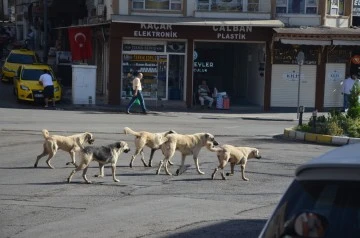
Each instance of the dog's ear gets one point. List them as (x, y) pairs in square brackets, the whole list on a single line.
[(171, 132), (118, 145)]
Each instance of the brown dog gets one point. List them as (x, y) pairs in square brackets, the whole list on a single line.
[(187, 145), (69, 144), (144, 138), (234, 155)]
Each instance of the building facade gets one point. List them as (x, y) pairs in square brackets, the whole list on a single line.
[(177, 44), (246, 48), (324, 32)]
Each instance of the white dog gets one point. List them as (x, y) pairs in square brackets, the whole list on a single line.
[(187, 145), (233, 155), (70, 144), (144, 138)]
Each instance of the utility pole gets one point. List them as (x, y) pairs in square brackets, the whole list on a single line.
[(45, 51)]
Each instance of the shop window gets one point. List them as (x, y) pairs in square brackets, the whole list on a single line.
[(153, 67), (228, 5), (297, 6), (335, 7), (173, 5), (253, 5)]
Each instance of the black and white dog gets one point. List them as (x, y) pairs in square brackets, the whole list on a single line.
[(103, 155)]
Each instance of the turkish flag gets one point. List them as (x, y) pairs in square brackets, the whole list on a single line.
[(80, 42)]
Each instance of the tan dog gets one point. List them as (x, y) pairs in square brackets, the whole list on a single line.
[(69, 144), (233, 155), (144, 138), (103, 155), (187, 145)]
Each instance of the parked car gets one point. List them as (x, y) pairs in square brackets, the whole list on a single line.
[(14, 60), (27, 86), (323, 200)]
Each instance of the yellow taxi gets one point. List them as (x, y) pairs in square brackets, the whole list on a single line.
[(27, 86), (14, 60)]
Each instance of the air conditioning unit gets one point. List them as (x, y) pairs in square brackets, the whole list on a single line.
[(100, 9)]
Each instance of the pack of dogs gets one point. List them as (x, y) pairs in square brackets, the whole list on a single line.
[(168, 142)]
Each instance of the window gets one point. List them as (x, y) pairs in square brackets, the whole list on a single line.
[(335, 7), (228, 5), (337, 201), (173, 5), (296, 6), (253, 5)]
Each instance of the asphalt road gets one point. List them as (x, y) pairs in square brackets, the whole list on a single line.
[(38, 202)]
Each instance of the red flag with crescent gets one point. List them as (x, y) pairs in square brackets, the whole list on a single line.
[(80, 42)]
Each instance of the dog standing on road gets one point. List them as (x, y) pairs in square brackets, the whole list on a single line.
[(70, 144), (144, 138), (103, 155), (233, 155), (187, 145)]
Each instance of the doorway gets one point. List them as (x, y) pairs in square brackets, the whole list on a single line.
[(176, 77)]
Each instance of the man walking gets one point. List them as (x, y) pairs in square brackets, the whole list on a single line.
[(47, 82), (137, 93)]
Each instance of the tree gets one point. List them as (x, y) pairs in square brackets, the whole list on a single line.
[(354, 104)]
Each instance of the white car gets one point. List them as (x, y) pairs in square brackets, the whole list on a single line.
[(323, 200)]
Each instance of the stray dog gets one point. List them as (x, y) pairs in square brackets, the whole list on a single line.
[(103, 155), (187, 145), (234, 155), (69, 144), (144, 138)]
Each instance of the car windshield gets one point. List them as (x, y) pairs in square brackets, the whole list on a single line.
[(337, 201), (32, 74), (21, 59)]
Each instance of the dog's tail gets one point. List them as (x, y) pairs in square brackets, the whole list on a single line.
[(127, 130), (53, 145), (210, 146), (45, 133)]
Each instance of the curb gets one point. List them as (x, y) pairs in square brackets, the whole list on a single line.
[(319, 138)]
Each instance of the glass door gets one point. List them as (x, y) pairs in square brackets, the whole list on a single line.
[(176, 77)]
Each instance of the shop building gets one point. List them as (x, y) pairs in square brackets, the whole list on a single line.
[(324, 32), (191, 41)]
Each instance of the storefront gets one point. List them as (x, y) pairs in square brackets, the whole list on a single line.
[(176, 54), (328, 60)]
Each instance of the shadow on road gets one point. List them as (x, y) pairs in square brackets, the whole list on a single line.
[(232, 228)]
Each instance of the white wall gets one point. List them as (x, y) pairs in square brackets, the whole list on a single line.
[(299, 19), (284, 85), (335, 74), (337, 22)]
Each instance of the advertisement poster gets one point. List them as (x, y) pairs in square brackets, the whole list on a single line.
[(153, 67)]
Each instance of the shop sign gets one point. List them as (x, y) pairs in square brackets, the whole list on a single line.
[(335, 76), (231, 32), (156, 30), (292, 76), (201, 66), (355, 59), (154, 48)]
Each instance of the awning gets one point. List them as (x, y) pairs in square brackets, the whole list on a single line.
[(346, 42), (195, 21), (305, 42), (84, 25)]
